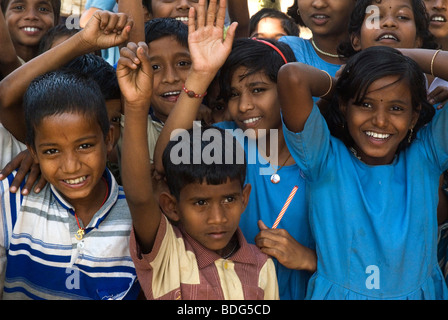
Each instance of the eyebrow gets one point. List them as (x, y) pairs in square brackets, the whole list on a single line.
[(80, 140)]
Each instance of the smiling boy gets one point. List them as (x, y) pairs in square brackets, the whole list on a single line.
[(199, 253)]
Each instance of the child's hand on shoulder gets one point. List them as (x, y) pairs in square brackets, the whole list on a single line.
[(106, 29), (135, 75), (208, 47)]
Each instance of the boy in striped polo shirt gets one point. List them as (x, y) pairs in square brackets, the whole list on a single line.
[(70, 241), (187, 245)]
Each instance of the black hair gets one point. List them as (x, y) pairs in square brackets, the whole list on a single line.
[(256, 56), (100, 71), (288, 24), (56, 5), (59, 30), (361, 71), (227, 159), (292, 11), (357, 17), (162, 27), (60, 92)]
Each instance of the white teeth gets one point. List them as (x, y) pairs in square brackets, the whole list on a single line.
[(377, 135), (171, 93), (182, 18), (438, 18), (251, 120), (319, 16), (30, 29), (76, 181), (388, 36)]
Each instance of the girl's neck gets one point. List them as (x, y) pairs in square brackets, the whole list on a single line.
[(282, 151), (326, 46)]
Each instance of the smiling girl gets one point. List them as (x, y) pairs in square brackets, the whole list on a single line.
[(378, 163)]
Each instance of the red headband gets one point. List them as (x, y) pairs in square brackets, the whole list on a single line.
[(273, 47)]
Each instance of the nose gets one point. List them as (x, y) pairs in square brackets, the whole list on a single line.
[(217, 215), (439, 4), (245, 103), (70, 162), (170, 75), (380, 119), (183, 5), (388, 21), (31, 13), (318, 4)]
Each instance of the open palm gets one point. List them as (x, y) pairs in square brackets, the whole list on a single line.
[(206, 42)]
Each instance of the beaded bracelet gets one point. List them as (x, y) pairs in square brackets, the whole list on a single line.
[(193, 94)]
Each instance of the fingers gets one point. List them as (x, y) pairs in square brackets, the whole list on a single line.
[(110, 22), (128, 57)]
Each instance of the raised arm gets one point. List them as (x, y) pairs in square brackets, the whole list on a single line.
[(433, 62), (239, 12), (297, 84), (104, 30), (133, 8), (135, 78), (208, 52)]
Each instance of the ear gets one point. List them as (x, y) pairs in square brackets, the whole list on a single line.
[(109, 139), (168, 205), (246, 193), (415, 116), (418, 42), (356, 42)]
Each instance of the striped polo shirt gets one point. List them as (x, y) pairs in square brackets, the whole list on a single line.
[(40, 258), (179, 267)]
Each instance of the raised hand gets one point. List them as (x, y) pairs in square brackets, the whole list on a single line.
[(134, 73), (106, 29), (208, 47)]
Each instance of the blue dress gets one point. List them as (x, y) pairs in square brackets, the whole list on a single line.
[(265, 202), (375, 227)]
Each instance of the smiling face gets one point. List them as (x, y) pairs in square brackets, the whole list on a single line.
[(438, 16), (173, 9), (397, 27), (74, 160), (28, 21), (211, 213), (171, 63), (326, 17), (381, 121), (254, 102)]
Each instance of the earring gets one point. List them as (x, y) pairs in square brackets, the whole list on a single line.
[(410, 135), (298, 12)]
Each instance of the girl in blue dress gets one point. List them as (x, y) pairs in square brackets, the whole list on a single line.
[(372, 173)]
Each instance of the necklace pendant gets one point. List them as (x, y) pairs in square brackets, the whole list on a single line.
[(275, 178), (79, 234)]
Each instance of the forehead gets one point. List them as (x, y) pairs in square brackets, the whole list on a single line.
[(240, 77), (203, 190), (29, 2), (54, 127), (167, 46)]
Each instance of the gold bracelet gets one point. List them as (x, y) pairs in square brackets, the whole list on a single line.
[(432, 61), (331, 84)]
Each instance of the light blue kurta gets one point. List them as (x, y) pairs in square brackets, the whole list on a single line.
[(375, 226)]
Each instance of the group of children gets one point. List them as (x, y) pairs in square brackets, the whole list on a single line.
[(142, 193)]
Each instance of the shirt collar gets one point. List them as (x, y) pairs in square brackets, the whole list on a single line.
[(102, 213), (205, 256)]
